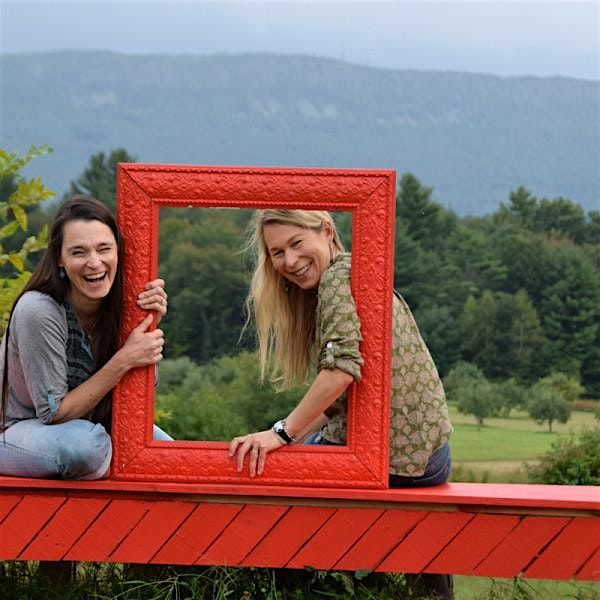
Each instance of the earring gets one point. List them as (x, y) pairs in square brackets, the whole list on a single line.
[(330, 253), (286, 286), (61, 272)]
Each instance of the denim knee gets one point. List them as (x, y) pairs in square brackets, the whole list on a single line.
[(86, 453)]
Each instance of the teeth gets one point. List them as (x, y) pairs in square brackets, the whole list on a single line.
[(94, 277), (301, 271)]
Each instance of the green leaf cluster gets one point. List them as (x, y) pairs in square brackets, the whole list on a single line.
[(218, 400), (19, 194), (571, 461)]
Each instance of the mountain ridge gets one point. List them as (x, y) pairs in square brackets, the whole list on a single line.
[(472, 137)]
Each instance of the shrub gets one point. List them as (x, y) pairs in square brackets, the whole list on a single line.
[(570, 461), (18, 194)]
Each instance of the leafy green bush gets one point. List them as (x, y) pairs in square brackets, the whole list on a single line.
[(18, 195), (571, 461), (219, 400)]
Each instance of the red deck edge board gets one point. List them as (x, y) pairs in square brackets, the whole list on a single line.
[(486, 494)]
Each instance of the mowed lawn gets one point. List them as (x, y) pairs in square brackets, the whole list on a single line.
[(504, 444)]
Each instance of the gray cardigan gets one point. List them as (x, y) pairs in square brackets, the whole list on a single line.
[(37, 358)]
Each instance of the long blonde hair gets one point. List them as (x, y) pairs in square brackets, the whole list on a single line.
[(284, 313)]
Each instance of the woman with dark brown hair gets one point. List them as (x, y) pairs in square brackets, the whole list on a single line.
[(60, 356)]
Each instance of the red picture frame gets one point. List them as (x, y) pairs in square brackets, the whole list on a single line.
[(142, 189)]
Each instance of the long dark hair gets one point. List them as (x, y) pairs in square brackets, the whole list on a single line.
[(46, 279)]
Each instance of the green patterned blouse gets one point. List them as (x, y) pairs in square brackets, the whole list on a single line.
[(419, 419)]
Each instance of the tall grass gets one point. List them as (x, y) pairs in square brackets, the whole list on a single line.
[(103, 581)]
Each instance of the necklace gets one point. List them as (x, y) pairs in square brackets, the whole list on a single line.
[(88, 324)]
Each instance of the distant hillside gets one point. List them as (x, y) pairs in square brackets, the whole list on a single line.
[(472, 137)]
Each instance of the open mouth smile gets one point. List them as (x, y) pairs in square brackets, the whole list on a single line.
[(301, 272), (95, 278)]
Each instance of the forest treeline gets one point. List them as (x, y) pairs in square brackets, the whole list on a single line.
[(514, 294)]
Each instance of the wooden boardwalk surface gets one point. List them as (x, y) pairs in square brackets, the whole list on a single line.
[(503, 530)]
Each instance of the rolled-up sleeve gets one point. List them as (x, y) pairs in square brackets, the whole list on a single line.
[(338, 323), (39, 331)]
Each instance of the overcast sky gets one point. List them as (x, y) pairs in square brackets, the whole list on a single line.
[(535, 37)]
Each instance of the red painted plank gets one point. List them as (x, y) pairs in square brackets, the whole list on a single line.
[(292, 531), (569, 551), (64, 529), (108, 530), (196, 533), (7, 503), (472, 544), (151, 533), (591, 570), (568, 497), (520, 546), (335, 538), (24, 522), (242, 534), (385, 534), (424, 542), (31, 524)]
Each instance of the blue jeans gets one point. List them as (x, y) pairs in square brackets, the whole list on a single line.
[(437, 470), (76, 449)]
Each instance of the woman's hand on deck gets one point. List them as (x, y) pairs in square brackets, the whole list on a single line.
[(256, 446)]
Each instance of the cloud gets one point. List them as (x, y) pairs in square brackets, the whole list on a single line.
[(540, 37)]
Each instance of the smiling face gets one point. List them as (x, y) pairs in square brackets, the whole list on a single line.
[(300, 255), (89, 256)]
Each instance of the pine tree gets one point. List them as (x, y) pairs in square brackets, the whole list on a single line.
[(99, 179)]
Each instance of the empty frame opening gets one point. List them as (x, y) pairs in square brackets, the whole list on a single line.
[(209, 388)]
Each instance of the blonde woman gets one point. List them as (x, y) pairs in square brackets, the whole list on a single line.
[(301, 301), (302, 304)]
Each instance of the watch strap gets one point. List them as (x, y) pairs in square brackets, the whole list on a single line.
[(282, 433)]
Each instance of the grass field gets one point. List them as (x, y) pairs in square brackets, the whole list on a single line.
[(485, 588), (498, 451)]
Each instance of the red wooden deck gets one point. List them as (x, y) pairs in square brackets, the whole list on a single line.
[(538, 531)]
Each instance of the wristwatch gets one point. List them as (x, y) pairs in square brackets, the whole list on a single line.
[(281, 431)]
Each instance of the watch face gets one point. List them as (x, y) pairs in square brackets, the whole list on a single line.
[(279, 429)]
